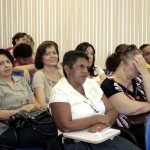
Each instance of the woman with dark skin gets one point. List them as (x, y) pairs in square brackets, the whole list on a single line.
[(77, 103)]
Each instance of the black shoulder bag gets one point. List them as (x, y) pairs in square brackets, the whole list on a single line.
[(35, 119)]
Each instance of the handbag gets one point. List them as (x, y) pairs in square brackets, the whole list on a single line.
[(35, 119), (137, 119), (39, 121)]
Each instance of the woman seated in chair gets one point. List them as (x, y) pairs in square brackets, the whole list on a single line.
[(95, 72), (48, 74), (78, 103), (15, 96), (128, 87)]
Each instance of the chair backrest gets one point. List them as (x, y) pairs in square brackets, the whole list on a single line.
[(147, 133)]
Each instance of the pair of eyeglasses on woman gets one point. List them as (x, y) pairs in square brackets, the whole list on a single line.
[(89, 102)]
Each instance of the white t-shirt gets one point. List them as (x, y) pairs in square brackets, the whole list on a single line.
[(81, 106), (98, 71)]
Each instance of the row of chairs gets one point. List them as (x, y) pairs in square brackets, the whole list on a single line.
[(124, 133)]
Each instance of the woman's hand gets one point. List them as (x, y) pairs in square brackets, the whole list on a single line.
[(29, 107), (140, 64), (26, 75), (97, 127)]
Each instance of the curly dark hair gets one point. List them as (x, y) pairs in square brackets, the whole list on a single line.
[(18, 36), (41, 50)]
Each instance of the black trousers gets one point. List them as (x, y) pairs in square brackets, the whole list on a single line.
[(139, 132), (118, 143)]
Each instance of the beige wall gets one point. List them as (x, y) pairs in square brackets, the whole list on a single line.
[(103, 23)]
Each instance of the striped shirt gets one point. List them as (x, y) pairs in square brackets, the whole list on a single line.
[(111, 87)]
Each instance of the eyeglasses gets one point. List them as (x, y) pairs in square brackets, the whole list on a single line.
[(89, 102), (82, 67)]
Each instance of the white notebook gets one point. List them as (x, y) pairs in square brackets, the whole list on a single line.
[(93, 138)]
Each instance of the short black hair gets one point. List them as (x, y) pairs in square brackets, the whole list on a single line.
[(22, 50), (71, 57)]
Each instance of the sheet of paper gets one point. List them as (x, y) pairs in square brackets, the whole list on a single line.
[(104, 132)]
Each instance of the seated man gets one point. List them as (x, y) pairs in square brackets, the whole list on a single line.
[(23, 56)]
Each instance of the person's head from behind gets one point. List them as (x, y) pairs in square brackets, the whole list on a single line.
[(75, 66), (23, 53), (47, 54), (89, 50), (146, 52), (20, 37), (6, 63), (123, 57), (31, 42)]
